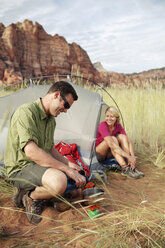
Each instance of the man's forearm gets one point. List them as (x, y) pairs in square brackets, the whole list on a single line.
[(58, 156), (39, 156)]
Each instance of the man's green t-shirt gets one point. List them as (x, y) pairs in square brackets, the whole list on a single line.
[(29, 122)]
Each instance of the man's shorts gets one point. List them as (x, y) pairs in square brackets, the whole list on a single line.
[(31, 176)]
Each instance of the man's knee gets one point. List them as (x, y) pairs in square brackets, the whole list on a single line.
[(55, 181)]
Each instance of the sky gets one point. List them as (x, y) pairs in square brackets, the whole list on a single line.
[(125, 36)]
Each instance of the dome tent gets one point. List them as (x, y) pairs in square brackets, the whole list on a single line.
[(78, 125)]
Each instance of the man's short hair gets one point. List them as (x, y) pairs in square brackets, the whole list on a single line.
[(65, 88)]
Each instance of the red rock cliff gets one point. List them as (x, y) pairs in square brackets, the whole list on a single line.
[(26, 50)]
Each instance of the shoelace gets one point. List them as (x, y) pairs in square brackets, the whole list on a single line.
[(38, 206)]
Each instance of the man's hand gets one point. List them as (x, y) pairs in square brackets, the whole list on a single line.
[(74, 166), (42, 158), (79, 179)]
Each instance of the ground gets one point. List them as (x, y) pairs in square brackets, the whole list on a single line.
[(73, 228)]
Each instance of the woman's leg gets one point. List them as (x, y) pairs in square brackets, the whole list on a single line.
[(103, 150), (124, 142), (126, 171), (127, 147), (117, 156)]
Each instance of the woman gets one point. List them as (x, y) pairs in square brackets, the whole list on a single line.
[(112, 140)]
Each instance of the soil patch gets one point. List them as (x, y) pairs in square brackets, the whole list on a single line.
[(73, 228)]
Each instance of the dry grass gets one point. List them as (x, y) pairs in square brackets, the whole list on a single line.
[(144, 118), (140, 226)]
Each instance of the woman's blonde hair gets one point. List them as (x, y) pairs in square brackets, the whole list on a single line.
[(114, 111)]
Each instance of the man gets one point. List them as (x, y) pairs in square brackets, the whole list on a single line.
[(37, 170)]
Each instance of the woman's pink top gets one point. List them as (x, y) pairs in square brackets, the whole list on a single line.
[(103, 131)]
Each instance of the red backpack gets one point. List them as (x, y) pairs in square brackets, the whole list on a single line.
[(71, 153)]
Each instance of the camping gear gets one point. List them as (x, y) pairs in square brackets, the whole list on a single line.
[(78, 125), (93, 213), (111, 164), (93, 196), (89, 185), (1, 167), (70, 151), (92, 192)]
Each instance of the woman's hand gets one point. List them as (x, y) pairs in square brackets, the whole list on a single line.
[(132, 161)]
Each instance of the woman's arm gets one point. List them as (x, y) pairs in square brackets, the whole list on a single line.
[(130, 148), (133, 165)]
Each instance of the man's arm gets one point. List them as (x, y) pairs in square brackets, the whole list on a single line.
[(39, 156), (64, 160)]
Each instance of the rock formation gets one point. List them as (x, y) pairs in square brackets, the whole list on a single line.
[(27, 51), (143, 79)]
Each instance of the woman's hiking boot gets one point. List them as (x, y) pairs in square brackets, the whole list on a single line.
[(126, 171), (33, 208), (140, 173), (17, 197)]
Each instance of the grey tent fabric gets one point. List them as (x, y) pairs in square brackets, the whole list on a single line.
[(78, 125)]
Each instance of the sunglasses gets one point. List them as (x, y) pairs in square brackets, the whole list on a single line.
[(66, 104)]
